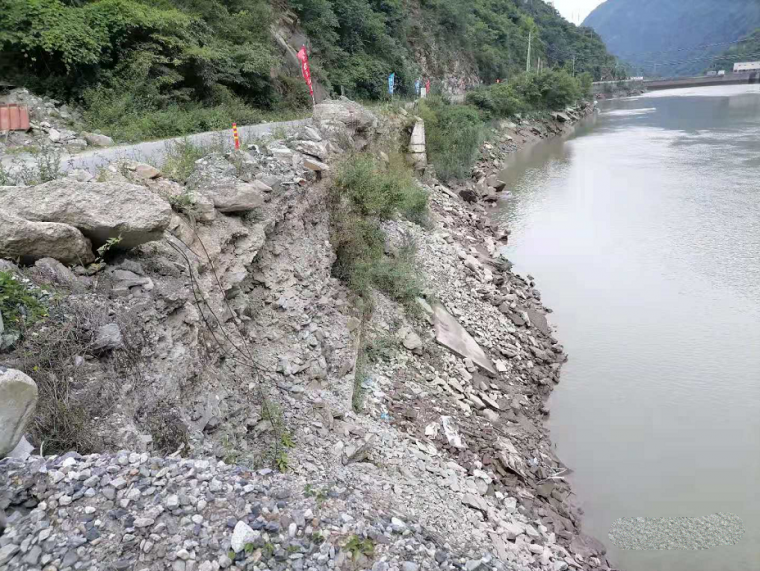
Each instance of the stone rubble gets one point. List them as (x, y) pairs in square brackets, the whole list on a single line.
[(448, 465)]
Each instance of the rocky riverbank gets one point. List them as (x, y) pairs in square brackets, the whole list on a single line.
[(410, 439)]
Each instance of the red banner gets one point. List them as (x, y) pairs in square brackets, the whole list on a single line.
[(303, 57)]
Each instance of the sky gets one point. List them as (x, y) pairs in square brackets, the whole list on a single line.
[(575, 10)]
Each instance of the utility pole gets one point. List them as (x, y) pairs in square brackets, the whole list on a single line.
[(527, 63)]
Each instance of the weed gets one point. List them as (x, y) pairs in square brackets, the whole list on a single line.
[(381, 348), (68, 407), (376, 191), (357, 546), (26, 149), (267, 551), (360, 379), (365, 193), (110, 244), (167, 428), (454, 135), (19, 306), (48, 162), (279, 133), (311, 492), (5, 177), (180, 159), (184, 203)]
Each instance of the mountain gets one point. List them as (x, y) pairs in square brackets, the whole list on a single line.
[(747, 50), (675, 37)]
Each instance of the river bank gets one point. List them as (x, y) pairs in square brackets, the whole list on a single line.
[(444, 463)]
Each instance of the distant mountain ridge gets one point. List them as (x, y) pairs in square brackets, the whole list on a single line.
[(675, 37)]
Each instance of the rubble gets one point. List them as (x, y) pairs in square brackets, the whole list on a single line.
[(444, 466)]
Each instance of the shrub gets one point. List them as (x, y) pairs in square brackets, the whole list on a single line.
[(380, 192), (454, 135), (19, 305), (363, 194), (180, 157)]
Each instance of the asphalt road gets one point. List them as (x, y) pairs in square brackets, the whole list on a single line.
[(154, 151)]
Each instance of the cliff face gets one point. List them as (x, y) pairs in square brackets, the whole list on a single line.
[(680, 36)]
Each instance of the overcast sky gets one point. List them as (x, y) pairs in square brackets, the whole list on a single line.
[(576, 10)]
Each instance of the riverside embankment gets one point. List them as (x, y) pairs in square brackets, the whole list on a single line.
[(408, 438)]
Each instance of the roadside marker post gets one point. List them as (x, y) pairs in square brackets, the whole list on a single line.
[(235, 136)]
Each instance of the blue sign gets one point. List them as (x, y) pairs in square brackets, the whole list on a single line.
[(391, 82)]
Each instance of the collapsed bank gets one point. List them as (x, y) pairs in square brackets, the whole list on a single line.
[(222, 299)]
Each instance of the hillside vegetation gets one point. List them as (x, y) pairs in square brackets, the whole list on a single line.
[(157, 68), (672, 37), (747, 50)]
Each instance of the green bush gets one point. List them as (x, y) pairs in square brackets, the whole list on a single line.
[(375, 191), (20, 305), (454, 135), (363, 194)]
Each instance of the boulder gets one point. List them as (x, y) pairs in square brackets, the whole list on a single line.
[(235, 196), (141, 171), (210, 170), (55, 271), (469, 195), (315, 165), (100, 210), (315, 149), (18, 397), (453, 336), (347, 117), (32, 241), (311, 134), (538, 320), (108, 338), (98, 140)]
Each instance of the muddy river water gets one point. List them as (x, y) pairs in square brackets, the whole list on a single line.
[(642, 230)]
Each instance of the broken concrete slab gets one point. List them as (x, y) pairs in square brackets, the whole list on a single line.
[(453, 336)]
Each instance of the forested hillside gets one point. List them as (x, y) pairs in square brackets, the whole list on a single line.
[(748, 49), (161, 67), (672, 37)]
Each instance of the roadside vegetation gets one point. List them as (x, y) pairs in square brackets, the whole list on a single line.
[(455, 132), (148, 69), (365, 193)]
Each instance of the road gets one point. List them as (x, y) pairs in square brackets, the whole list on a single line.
[(153, 152)]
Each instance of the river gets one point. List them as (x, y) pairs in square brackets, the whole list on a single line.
[(642, 230)]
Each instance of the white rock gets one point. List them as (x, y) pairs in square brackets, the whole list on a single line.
[(241, 536), (18, 398)]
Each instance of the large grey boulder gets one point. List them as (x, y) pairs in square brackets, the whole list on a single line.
[(32, 241), (100, 210), (235, 196), (345, 116), (98, 140), (18, 397)]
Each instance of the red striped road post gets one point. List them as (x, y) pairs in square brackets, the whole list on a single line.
[(235, 136)]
